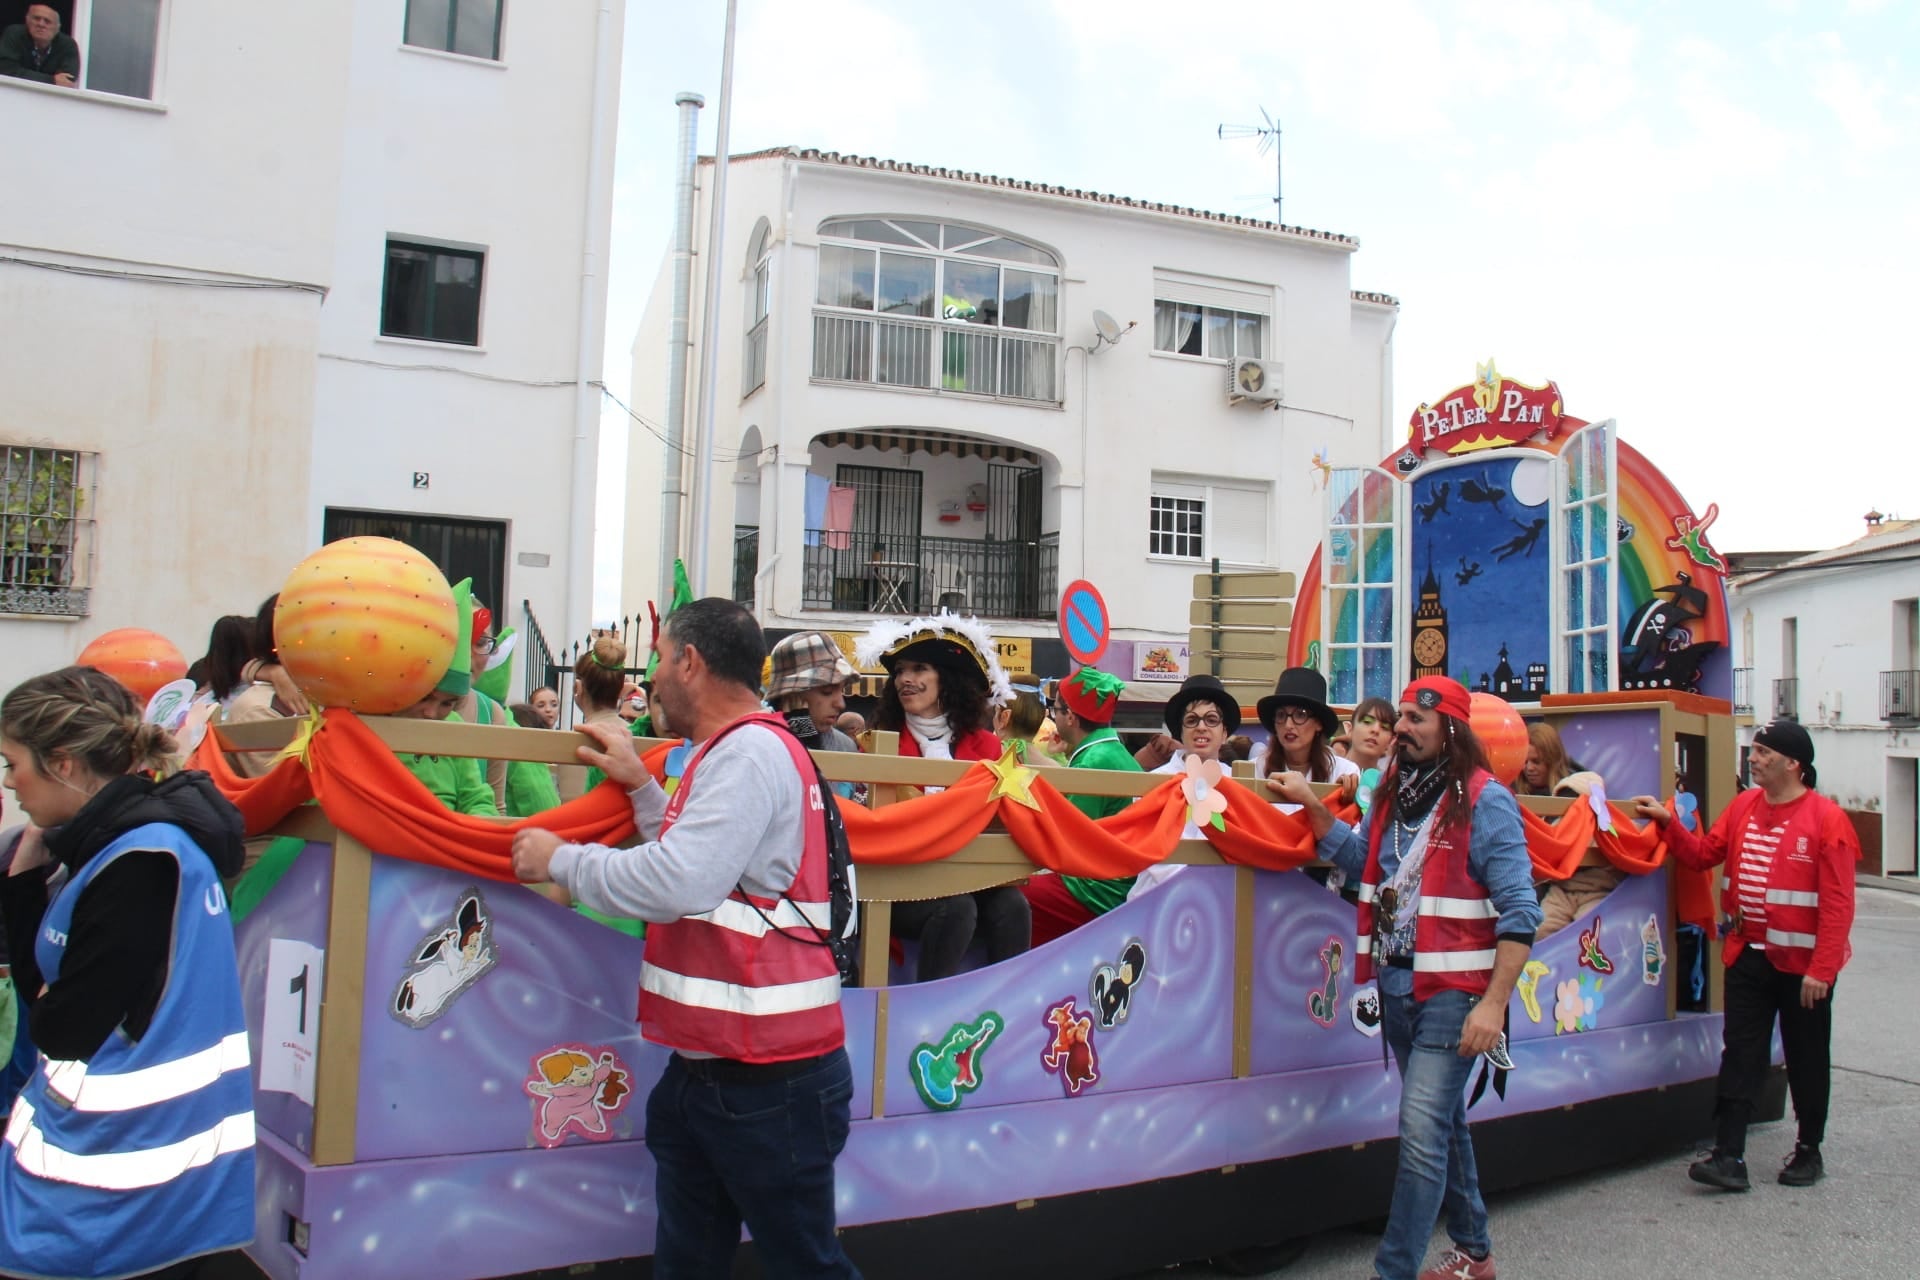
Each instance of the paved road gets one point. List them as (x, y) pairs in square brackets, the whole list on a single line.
[(1647, 1220)]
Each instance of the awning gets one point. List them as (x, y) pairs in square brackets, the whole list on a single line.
[(937, 443)]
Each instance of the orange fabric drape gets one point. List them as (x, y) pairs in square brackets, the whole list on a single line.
[(367, 792)]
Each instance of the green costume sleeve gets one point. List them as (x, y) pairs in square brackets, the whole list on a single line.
[(471, 793), (530, 789), (1107, 752)]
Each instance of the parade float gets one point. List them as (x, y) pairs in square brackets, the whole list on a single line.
[(451, 1080)]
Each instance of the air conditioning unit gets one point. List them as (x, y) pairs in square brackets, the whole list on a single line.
[(1255, 382)]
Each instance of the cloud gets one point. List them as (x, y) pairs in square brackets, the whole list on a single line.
[(1843, 88)]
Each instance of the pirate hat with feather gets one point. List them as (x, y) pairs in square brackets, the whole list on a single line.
[(961, 645)]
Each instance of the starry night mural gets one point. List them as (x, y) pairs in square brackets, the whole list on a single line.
[(1482, 569)]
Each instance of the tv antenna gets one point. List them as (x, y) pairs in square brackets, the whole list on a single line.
[(1269, 135)]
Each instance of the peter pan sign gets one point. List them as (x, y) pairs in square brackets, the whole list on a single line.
[(1491, 411)]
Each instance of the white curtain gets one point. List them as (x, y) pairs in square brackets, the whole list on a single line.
[(1173, 325)]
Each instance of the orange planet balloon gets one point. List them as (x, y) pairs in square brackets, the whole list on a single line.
[(366, 623), (143, 661), (1502, 732)]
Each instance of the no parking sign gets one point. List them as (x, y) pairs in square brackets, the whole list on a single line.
[(1084, 626)]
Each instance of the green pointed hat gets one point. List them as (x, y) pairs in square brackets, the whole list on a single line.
[(459, 677)]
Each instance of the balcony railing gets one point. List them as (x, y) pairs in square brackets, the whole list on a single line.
[(1900, 697), (935, 355), (746, 562), (1786, 699), (1743, 691), (905, 573)]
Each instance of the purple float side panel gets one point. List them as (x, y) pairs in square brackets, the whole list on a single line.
[(860, 1009), (1178, 1028), (458, 1083), (1624, 996), (1621, 746), (1294, 921), (296, 909), (455, 1217)]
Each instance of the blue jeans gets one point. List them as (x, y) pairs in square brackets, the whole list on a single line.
[(758, 1150), (1436, 1152)]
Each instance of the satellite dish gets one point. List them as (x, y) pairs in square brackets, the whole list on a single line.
[(1108, 327)]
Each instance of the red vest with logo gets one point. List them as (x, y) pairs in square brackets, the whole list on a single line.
[(1792, 891), (750, 979), (1454, 934)]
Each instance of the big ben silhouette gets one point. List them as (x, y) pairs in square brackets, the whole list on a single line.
[(1429, 629)]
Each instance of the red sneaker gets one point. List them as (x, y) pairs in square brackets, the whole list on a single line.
[(1456, 1264)]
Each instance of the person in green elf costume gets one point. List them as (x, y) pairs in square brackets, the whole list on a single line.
[(1082, 709), (521, 787), (456, 781)]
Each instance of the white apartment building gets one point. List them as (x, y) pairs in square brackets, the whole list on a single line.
[(946, 387), (1832, 639), (299, 272)]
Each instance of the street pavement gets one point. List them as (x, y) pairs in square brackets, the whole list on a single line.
[(1647, 1220)]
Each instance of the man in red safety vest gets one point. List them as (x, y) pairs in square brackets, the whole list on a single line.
[(738, 978), (1447, 916), (1788, 895)]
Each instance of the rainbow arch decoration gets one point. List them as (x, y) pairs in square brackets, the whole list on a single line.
[(1670, 620)]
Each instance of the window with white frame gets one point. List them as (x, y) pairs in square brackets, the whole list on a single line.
[(1209, 318), (46, 529), (1196, 518), (469, 27), (1359, 562), (936, 305), (753, 373), (1587, 520), (119, 43)]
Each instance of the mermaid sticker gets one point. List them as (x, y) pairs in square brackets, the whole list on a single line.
[(575, 1089)]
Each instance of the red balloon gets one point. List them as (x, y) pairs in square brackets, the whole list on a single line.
[(1502, 732), (143, 661)]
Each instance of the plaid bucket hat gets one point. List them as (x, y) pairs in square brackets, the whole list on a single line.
[(806, 660)]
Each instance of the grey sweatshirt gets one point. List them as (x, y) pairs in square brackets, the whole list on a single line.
[(741, 825)]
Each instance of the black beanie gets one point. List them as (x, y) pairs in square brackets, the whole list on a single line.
[(1792, 741)]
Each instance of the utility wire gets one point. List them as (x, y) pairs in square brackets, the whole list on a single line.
[(161, 277)]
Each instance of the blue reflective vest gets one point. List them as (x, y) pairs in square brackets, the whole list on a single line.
[(142, 1156)]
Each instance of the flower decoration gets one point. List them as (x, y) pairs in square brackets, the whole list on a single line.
[(1590, 1000), (1568, 1007), (1206, 803)]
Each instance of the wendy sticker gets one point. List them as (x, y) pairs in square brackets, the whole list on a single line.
[(446, 963), (576, 1089)]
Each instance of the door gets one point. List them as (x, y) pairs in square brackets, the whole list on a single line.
[(474, 549), (884, 552), (1012, 585), (1362, 553), (1586, 588)]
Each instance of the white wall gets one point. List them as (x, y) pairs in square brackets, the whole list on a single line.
[(1142, 412), (198, 398), (1845, 626), (485, 154)]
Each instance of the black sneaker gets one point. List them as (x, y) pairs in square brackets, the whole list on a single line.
[(1716, 1169), (1803, 1168)]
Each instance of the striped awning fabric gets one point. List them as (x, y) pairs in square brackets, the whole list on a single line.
[(937, 443)]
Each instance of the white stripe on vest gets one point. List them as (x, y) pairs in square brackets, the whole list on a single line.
[(70, 1082), (730, 997), (1793, 898), (1781, 938), (1451, 961), (740, 917), (122, 1170), (1458, 908), (1366, 892)]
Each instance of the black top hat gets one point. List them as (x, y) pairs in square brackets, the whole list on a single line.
[(1202, 689), (1299, 687)]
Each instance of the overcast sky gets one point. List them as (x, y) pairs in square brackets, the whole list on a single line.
[(1700, 219)]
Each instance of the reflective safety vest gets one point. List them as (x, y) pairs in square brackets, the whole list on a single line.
[(751, 979), (1791, 879), (1455, 934), (141, 1156)]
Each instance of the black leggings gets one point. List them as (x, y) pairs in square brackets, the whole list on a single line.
[(1756, 994), (946, 927)]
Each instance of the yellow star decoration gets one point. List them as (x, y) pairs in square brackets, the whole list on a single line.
[(1013, 780), (302, 743)]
